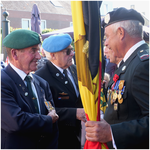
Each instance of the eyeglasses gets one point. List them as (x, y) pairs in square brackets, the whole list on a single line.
[(69, 50)]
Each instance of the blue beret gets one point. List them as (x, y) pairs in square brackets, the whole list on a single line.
[(56, 43), (122, 14), (22, 38)]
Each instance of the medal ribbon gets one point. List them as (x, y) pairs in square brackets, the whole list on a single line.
[(121, 86), (115, 79)]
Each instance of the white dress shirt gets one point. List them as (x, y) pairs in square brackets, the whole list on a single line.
[(23, 75), (70, 77)]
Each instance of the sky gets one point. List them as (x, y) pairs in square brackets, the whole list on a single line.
[(141, 6)]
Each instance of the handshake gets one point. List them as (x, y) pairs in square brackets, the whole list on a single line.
[(54, 115)]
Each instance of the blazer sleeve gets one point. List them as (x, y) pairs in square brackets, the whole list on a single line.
[(136, 131)]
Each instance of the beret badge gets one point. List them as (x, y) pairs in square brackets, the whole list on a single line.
[(107, 18), (40, 38)]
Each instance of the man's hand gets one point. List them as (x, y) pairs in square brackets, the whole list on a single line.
[(80, 114), (54, 116), (98, 131)]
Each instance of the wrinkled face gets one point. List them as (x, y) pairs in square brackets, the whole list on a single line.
[(27, 58), (63, 58), (112, 39)]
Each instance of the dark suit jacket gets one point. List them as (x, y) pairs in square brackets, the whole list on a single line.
[(110, 68), (130, 123), (66, 103), (21, 127)]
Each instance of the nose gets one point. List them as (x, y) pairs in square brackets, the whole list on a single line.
[(105, 43), (38, 56), (72, 53)]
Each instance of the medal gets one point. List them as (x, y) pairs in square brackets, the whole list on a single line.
[(108, 94), (111, 97), (114, 96), (121, 85), (119, 95), (120, 101), (111, 101), (115, 106)]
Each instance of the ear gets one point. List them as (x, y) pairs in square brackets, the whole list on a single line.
[(53, 56), (14, 53), (121, 33)]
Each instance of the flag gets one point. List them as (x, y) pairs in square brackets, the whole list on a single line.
[(88, 54)]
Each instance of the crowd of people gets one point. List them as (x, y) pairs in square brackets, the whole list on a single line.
[(41, 105)]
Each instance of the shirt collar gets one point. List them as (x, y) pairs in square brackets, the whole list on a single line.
[(132, 49), (60, 69), (21, 73), (119, 64)]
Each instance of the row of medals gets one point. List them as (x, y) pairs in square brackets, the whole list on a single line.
[(116, 93)]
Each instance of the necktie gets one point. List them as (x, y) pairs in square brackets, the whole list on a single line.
[(66, 76), (121, 63), (28, 80)]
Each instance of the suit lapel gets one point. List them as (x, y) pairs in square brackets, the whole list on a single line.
[(20, 85), (122, 69), (59, 76), (74, 75), (40, 93)]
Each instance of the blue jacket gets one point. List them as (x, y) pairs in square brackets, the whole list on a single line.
[(21, 127)]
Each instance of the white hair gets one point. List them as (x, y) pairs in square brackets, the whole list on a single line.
[(132, 27), (47, 54)]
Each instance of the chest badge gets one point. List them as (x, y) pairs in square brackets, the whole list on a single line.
[(26, 94), (57, 74)]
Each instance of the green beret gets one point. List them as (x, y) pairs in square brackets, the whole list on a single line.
[(21, 38), (122, 14)]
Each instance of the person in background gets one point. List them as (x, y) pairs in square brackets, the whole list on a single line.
[(26, 120), (112, 58), (43, 60), (3, 64), (126, 119), (62, 78), (146, 36), (110, 66)]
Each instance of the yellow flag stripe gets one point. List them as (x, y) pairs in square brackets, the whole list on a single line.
[(78, 20)]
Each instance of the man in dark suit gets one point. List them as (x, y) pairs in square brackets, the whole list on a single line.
[(64, 87), (126, 120), (26, 122)]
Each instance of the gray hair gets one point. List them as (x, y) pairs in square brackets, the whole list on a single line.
[(133, 28), (47, 54)]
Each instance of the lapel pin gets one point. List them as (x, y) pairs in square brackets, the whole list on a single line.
[(19, 84), (141, 51), (123, 68), (57, 74), (66, 82), (26, 94)]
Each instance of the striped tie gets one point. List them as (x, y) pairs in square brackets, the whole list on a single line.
[(28, 80)]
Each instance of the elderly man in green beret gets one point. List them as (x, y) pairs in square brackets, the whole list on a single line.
[(126, 120), (61, 75), (28, 117)]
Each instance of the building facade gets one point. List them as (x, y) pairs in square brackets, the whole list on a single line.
[(54, 15)]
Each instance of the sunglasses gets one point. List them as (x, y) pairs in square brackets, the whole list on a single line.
[(69, 50)]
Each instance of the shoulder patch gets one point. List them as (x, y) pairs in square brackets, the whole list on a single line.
[(143, 54)]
